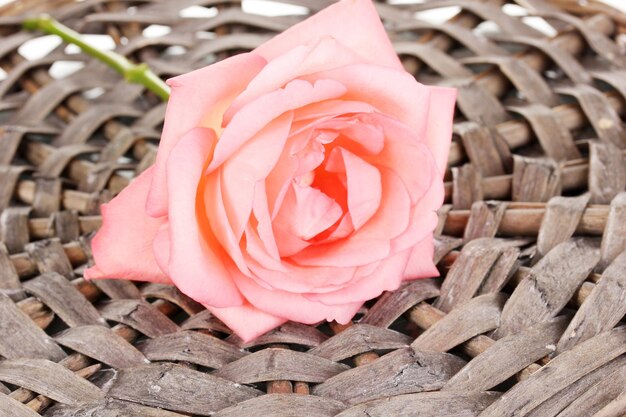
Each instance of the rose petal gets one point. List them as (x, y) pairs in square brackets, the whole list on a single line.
[(368, 137), (255, 249), (394, 213), (257, 114), (344, 253), (420, 264), (391, 91), (290, 305), (215, 211), (343, 229), (306, 212), (386, 277), (439, 131), (279, 180), (298, 279), (363, 184), (390, 220), (354, 22), (122, 248), (260, 209), (197, 100), (288, 243), (359, 133), (424, 218), (276, 274), (249, 165), (326, 53), (406, 155), (331, 108), (333, 184), (195, 265), (161, 248), (247, 321)]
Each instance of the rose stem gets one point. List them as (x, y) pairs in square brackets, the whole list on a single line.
[(133, 73)]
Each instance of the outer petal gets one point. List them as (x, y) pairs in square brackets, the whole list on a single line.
[(439, 130), (195, 265), (198, 99), (355, 23), (423, 218), (326, 53), (407, 155), (391, 91), (292, 306), (161, 248), (420, 263), (247, 321), (386, 277), (344, 253), (271, 273), (122, 248)]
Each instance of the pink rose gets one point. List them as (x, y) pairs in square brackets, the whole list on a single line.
[(293, 182)]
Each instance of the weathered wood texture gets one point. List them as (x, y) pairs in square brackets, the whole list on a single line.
[(401, 372), (526, 319), (177, 388)]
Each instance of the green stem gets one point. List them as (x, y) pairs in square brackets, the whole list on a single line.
[(134, 73)]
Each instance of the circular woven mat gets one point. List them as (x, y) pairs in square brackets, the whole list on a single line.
[(526, 320)]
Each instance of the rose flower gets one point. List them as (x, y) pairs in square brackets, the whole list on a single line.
[(294, 182)]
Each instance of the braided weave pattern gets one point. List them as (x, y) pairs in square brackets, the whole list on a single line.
[(526, 320)]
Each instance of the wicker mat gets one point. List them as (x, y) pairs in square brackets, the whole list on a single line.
[(527, 319)]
